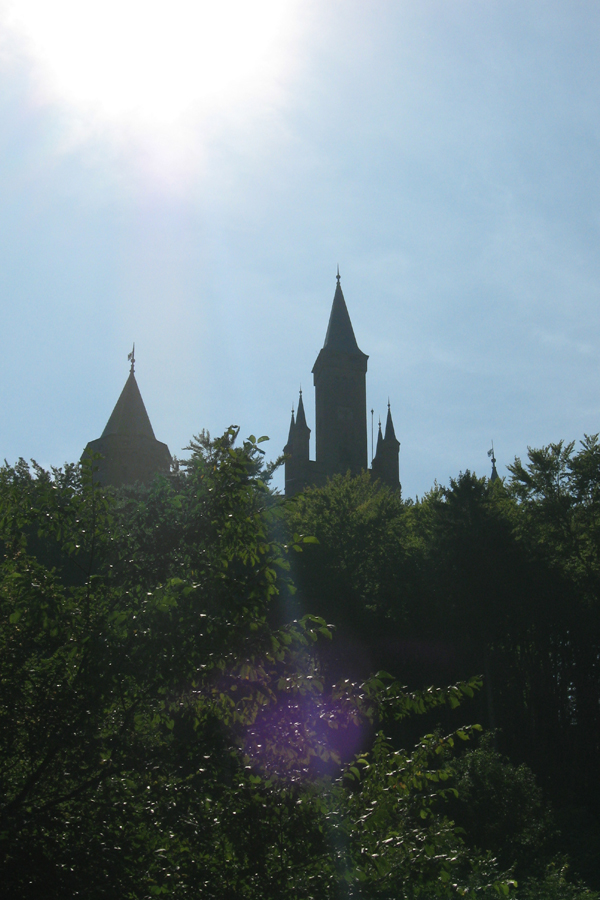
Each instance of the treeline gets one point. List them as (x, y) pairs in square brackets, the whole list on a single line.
[(177, 717), (500, 579)]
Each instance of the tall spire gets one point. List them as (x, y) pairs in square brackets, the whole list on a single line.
[(340, 334)]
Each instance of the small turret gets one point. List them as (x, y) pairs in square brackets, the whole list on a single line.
[(129, 449), (297, 451), (386, 466)]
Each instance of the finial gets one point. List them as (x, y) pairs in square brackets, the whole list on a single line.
[(131, 358), (300, 390), (338, 274), (388, 404), (494, 476)]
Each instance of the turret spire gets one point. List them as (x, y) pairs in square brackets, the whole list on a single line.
[(292, 429), (379, 440), (390, 434), (300, 415), (494, 476)]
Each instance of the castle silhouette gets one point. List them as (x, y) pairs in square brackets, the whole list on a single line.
[(129, 451), (339, 375)]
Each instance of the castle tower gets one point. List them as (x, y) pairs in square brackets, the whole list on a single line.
[(129, 449), (341, 413), (340, 396), (386, 464)]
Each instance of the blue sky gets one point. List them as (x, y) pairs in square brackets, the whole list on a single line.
[(445, 153)]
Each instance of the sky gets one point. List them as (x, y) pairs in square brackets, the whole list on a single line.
[(188, 175)]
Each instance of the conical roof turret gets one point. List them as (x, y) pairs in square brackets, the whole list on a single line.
[(129, 415), (128, 451)]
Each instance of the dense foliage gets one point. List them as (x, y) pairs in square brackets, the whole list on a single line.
[(159, 735), (176, 719), (498, 578)]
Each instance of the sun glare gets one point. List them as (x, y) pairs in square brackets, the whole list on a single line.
[(154, 61)]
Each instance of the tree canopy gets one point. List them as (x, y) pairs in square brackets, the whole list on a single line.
[(158, 735), (500, 579), (194, 692)]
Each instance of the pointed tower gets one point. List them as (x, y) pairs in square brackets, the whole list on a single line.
[(386, 465), (129, 449), (341, 413), (340, 396), (298, 468)]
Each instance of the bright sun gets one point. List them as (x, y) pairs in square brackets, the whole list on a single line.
[(154, 61)]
